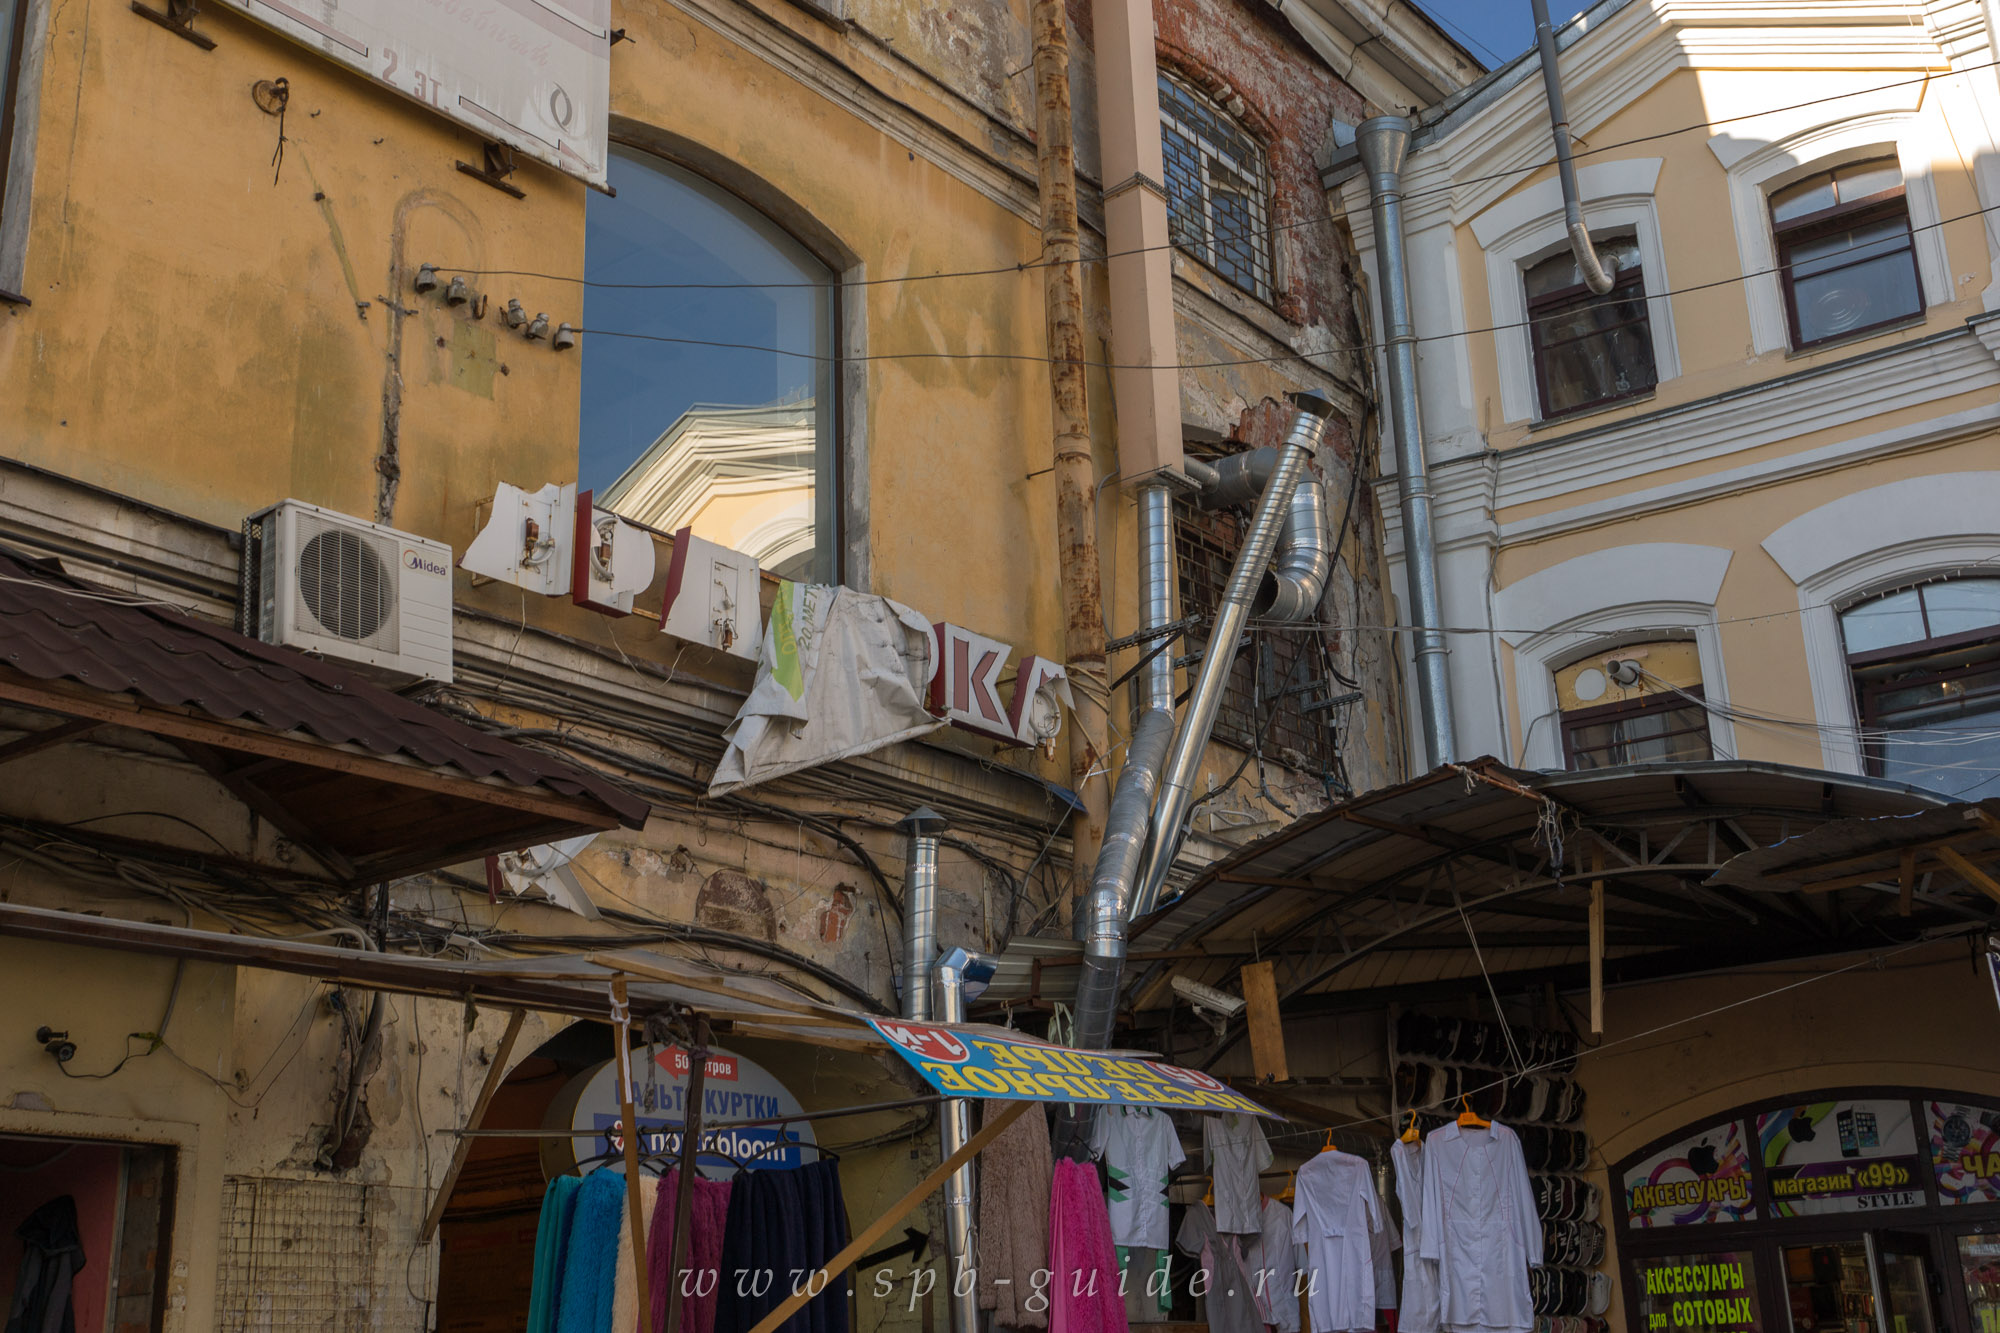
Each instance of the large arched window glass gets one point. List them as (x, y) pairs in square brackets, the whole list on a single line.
[(720, 415), (1926, 668)]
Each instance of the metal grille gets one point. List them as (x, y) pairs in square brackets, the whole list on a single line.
[(316, 1254), (1281, 668), (1218, 188), (347, 582)]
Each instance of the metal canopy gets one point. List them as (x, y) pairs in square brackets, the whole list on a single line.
[(1382, 897)]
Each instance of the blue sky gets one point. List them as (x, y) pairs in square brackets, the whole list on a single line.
[(1494, 30)]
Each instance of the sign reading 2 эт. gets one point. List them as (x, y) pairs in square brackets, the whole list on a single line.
[(1845, 1156), (532, 74), (1013, 1067)]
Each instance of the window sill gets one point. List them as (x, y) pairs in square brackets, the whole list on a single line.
[(1595, 410), (1903, 325)]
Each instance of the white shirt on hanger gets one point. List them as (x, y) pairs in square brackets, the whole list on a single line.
[(1236, 1151), (1272, 1260), (1479, 1223), (1420, 1275), (1140, 1150), (1337, 1217)]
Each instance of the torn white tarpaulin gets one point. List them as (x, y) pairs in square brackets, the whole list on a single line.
[(841, 673)]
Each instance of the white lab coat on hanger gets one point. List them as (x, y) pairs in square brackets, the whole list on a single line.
[(1479, 1223)]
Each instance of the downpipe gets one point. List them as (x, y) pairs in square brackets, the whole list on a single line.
[(963, 1301), (1382, 143), (1118, 866), (1587, 261), (1245, 576)]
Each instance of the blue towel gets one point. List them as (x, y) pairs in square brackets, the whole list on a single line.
[(551, 1243), (590, 1263)]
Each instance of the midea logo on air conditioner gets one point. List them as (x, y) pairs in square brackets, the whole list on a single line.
[(422, 563)]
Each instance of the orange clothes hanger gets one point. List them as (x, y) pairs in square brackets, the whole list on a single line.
[(1410, 1134), (1329, 1144), (1469, 1118)]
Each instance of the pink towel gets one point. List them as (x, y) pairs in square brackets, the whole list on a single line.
[(1083, 1283), (704, 1253)]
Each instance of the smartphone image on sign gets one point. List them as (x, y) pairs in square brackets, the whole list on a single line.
[(1849, 1146)]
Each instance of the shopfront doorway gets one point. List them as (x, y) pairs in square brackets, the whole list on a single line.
[(1850, 1211)]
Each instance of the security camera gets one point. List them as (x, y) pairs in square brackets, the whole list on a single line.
[(57, 1044), (1220, 1003)]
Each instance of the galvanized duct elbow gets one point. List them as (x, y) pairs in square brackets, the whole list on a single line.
[(1292, 591), (1587, 262), (1110, 901)]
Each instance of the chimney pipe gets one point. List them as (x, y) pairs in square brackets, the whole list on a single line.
[(922, 827)]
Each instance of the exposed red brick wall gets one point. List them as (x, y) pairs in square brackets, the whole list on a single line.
[(1243, 53)]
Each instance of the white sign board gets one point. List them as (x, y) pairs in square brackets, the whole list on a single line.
[(734, 1089), (533, 74)]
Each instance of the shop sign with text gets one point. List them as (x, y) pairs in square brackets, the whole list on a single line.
[(1845, 1156), (1704, 1293), (1703, 1178)]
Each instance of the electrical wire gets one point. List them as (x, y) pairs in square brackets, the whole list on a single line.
[(855, 358), (1026, 266)]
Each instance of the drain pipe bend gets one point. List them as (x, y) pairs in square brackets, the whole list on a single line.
[(1261, 539), (1383, 142), (1292, 591), (1587, 261)]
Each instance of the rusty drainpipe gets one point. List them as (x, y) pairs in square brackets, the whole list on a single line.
[(1075, 468)]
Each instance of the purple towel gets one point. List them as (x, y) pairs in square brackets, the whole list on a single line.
[(704, 1252)]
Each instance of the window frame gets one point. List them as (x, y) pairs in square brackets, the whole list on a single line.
[(1881, 206), (1867, 694), (1262, 191), (1666, 701), (1579, 296), (11, 68), (840, 560)]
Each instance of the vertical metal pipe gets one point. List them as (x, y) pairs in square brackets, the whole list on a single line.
[(1594, 275), (922, 827), (963, 1301), (1156, 590), (1075, 467), (1109, 904), (1383, 142), (1177, 783), (628, 1126)]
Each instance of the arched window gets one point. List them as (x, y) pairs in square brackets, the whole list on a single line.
[(1218, 187), (736, 441), (1638, 704), (1845, 251), (1926, 668), (1590, 350)]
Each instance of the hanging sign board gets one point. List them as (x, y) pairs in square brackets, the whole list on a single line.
[(532, 74), (1011, 1067), (733, 1089), (1846, 1156), (1703, 1178), (1965, 1152)]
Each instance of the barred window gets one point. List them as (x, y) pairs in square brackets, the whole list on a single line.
[(1280, 699), (1218, 188)]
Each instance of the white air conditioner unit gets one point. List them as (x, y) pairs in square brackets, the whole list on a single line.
[(335, 585)]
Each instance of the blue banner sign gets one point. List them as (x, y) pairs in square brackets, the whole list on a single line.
[(1013, 1067)]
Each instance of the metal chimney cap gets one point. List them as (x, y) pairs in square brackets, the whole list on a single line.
[(1313, 401), (923, 822)]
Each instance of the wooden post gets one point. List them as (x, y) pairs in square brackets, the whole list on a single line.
[(877, 1229), (1597, 945), (628, 1121), (1907, 880), (496, 1074), (677, 1247), (1267, 1029)]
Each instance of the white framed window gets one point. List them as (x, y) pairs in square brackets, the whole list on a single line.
[(1763, 166), (1526, 229), (1861, 546), (1218, 187), (1594, 605)]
